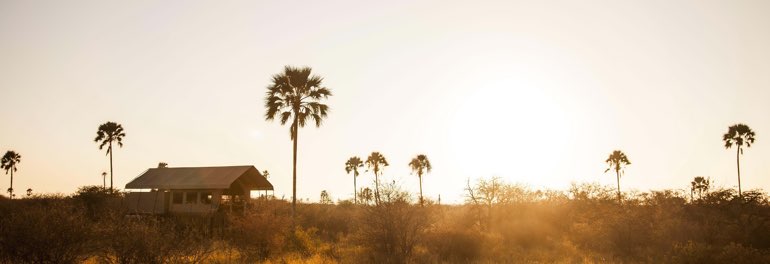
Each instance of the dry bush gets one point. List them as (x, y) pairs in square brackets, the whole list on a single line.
[(261, 232), (331, 222), (455, 245), (393, 228), (137, 240), (152, 239), (97, 201), (47, 229)]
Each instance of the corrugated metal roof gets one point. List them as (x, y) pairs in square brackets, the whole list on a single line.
[(200, 178)]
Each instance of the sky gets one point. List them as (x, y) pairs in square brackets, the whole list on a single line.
[(535, 92)]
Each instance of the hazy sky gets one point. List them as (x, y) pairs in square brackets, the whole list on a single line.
[(535, 92)]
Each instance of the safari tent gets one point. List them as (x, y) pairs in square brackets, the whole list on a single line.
[(194, 190)]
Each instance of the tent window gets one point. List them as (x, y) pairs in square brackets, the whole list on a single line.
[(191, 197), (206, 198), (176, 197)]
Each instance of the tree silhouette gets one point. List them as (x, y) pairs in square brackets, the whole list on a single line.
[(104, 180), (420, 165), (353, 164), (8, 163), (617, 161), (692, 191), (365, 195), (375, 162), (107, 133), (325, 198), (701, 185), (295, 95), (738, 135), (29, 192)]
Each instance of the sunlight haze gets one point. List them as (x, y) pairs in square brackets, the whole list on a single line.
[(535, 92)]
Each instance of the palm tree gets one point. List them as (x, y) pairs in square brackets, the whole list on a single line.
[(738, 135), (375, 161), (617, 161), (325, 198), (692, 191), (295, 95), (352, 165), (107, 133), (104, 180), (365, 195), (420, 165), (700, 184), (8, 163)]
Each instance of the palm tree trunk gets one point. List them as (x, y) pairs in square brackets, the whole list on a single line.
[(355, 191), (420, 176), (376, 187), (294, 173), (11, 192), (617, 174), (738, 161), (111, 166)]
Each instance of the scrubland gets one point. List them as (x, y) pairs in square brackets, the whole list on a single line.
[(498, 223)]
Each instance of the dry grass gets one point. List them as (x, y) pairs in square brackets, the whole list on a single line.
[(585, 225)]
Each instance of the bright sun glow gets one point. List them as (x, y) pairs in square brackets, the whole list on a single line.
[(510, 123)]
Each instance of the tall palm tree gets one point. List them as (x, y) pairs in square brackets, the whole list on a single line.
[(420, 165), (295, 95), (376, 162), (617, 161), (8, 163), (107, 133), (353, 164), (738, 135)]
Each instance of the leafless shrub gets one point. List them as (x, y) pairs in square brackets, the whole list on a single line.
[(392, 229)]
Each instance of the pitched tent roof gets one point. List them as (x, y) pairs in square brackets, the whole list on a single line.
[(200, 178)]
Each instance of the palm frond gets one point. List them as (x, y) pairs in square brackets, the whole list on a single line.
[(285, 117)]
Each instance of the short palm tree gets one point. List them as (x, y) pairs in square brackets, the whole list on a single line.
[(295, 95), (420, 165), (104, 180), (376, 162), (617, 161), (365, 195), (106, 134), (353, 164), (738, 135), (9, 162), (700, 184)]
